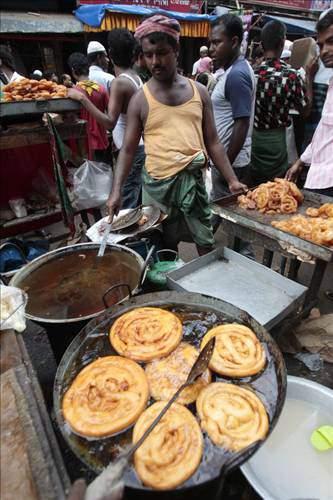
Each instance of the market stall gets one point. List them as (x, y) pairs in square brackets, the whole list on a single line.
[(25, 147), (256, 228)]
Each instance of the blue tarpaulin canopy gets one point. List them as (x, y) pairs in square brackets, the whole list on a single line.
[(93, 15), (295, 26)]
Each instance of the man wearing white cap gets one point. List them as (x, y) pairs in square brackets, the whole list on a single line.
[(203, 53), (99, 63), (37, 74)]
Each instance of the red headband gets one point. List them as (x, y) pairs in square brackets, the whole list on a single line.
[(157, 24)]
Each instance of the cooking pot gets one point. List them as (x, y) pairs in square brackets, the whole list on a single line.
[(72, 284), (198, 314)]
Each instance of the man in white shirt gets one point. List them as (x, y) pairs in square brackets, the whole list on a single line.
[(99, 64), (203, 53)]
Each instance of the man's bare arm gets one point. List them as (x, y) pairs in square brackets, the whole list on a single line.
[(120, 95), (125, 159), (101, 118), (213, 145)]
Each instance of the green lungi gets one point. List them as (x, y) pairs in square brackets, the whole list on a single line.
[(269, 157), (183, 197)]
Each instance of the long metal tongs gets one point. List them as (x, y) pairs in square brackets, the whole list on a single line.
[(104, 239), (110, 480)]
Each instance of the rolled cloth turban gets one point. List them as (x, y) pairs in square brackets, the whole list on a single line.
[(157, 24)]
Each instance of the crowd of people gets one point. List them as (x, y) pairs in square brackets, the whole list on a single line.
[(160, 130), (231, 115)]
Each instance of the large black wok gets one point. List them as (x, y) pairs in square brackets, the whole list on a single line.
[(198, 314)]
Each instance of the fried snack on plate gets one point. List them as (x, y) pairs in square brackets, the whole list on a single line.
[(315, 229), (172, 452), (27, 90), (106, 397), (237, 352), (326, 210), (166, 375), (278, 196), (146, 333), (232, 416), (312, 212)]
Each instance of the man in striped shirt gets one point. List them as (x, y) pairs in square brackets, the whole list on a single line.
[(319, 153)]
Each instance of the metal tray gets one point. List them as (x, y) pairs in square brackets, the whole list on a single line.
[(8, 109), (227, 275), (227, 208), (316, 406)]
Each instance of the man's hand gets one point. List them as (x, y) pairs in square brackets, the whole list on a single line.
[(312, 68), (237, 187), (113, 204), (78, 490), (294, 171), (76, 95)]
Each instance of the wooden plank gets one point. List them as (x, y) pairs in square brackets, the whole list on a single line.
[(16, 137), (10, 352), (30, 223), (26, 453), (17, 481)]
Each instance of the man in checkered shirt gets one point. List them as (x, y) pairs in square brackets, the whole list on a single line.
[(279, 89)]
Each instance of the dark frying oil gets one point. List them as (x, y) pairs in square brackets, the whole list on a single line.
[(72, 285), (98, 453)]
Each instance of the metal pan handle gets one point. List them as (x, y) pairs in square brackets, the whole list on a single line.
[(145, 265), (113, 287), (240, 457), (165, 251)]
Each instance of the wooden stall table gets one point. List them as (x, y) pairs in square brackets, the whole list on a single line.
[(256, 228), (31, 464), (32, 141)]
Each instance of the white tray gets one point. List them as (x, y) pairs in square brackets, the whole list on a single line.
[(287, 467)]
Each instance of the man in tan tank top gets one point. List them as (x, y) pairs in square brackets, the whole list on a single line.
[(175, 116)]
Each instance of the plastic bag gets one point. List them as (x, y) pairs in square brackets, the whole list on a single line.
[(13, 302), (92, 183)]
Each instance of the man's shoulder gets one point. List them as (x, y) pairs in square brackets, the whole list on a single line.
[(239, 72), (240, 68), (108, 76)]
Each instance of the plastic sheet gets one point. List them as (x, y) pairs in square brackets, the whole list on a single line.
[(92, 185), (13, 302)]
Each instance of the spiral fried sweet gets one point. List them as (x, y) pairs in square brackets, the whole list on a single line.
[(312, 212), (326, 210), (295, 192), (288, 204), (106, 397), (232, 416), (173, 450), (146, 333), (166, 375), (280, 196), (237, 351), (262, 196), (316, 229)]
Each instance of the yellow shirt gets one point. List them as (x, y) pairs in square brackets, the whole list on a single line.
[(173, 135)]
